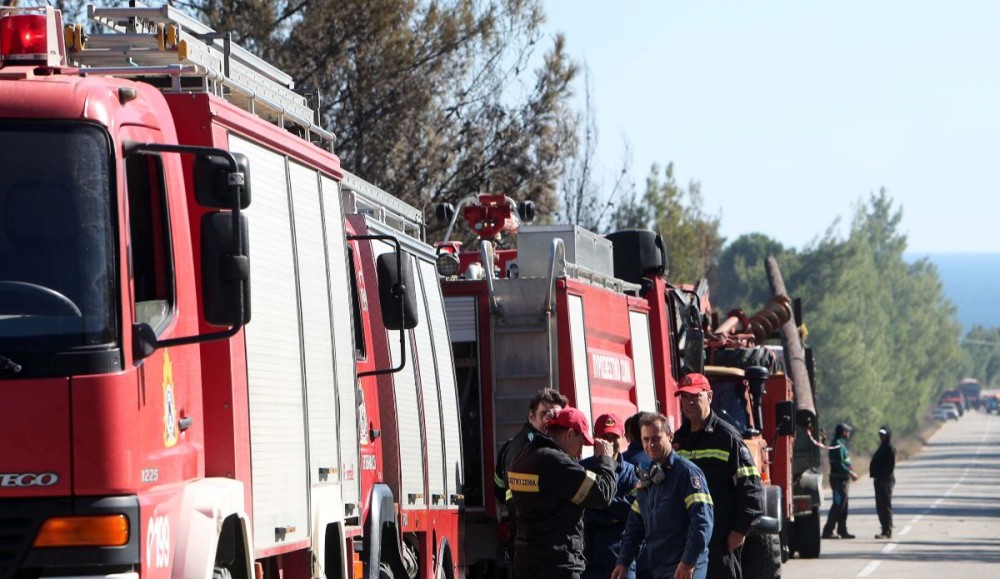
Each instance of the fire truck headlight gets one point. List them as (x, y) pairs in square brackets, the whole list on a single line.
[(447, 264), (87, 531)]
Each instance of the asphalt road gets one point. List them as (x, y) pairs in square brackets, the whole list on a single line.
[(946, 509)]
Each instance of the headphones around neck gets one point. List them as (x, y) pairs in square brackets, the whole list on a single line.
[(652, 476)]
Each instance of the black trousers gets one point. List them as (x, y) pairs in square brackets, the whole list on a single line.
[(838, 510), (883, 503)]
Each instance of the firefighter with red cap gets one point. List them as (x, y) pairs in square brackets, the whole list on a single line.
[(603, 528), (550, 492), (733, 479)]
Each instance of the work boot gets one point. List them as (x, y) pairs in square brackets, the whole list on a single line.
[(846, 535), (828, 535), (884, 535)]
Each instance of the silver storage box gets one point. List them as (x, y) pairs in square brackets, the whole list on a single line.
[(583, 248)]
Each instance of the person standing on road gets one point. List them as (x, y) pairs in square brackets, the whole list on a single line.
[(603, 528), (841, 475), (882, 469), (550, 492), (672, 513), (713, 445)]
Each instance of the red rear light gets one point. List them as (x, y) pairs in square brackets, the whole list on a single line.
[(31, 36)]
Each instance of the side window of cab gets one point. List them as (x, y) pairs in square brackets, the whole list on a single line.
[(150, 258)]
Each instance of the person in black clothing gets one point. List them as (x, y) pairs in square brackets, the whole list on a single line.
[(544, 405), (733, 479), (882, 468), (550, 492)]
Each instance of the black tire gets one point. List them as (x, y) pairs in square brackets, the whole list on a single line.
[(807, 535), (744, 358), (761, 558)]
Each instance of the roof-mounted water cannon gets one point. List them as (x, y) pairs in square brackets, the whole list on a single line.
[(489, 216), (31, 36)]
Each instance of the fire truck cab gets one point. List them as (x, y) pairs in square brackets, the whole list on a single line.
[(159, 418)]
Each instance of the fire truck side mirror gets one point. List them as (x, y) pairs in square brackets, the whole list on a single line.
[(223, 273), (784, 422), (397, 292), (211, 181)]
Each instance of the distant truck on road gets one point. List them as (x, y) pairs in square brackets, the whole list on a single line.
[(971, 389)]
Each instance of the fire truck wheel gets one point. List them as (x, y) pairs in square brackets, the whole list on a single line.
[(762, 556), (807, 535)]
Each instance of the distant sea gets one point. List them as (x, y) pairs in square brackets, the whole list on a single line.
[(972, 282)]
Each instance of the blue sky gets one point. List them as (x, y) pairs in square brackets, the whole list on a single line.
[(791, 112)]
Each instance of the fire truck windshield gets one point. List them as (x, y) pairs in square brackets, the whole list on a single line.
[(729, 403), (57, 237)]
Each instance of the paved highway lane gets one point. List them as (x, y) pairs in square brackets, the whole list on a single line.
[(946, 513)]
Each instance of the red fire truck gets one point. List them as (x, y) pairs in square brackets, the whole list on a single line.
[(151, 426), (554, 312)]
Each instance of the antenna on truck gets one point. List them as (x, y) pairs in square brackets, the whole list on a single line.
[(157, 44)]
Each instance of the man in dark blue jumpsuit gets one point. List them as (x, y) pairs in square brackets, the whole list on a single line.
[(672, 512), (603, 528)]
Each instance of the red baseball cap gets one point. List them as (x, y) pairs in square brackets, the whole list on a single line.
[(609, 423), (575, 420), (693, 383)]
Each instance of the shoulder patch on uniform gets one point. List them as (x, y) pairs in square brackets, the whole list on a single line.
[(745, 454), (696, 482), (522, 482)]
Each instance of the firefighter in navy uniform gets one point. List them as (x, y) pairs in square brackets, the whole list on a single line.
[(733, 480), (550, 492), (672, 513)]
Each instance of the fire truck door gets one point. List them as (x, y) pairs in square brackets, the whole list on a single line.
[(344, 347), (278, 457)]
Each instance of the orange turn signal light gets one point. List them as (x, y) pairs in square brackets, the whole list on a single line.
[(88, 531)]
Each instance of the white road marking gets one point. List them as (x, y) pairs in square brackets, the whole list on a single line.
[(869, 568), (906, 530)]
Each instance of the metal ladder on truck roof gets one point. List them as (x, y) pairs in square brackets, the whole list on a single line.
[(153, 44)]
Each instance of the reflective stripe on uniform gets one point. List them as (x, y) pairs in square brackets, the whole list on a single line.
[(508, 495), (635, 507), (747, 471), (581, 493), (522, 482), (716, 453), (697, 498), (498, 480)]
